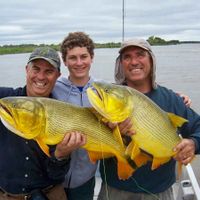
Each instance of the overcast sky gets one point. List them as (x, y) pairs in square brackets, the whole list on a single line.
[(49, 21)]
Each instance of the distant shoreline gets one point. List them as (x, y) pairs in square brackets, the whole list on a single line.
[(27, 48)]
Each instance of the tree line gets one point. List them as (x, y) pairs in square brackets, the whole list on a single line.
[(27, 48)]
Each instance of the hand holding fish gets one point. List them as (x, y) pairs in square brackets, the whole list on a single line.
[(70, 142), (125, 127), (185, 151)]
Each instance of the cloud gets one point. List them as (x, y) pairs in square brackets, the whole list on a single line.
[(49, 21)]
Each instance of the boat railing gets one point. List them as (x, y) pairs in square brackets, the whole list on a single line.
[(189, 188)]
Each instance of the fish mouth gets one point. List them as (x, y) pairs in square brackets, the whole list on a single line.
[(7, 117), (97, 100), (6, 110), (10, 122), (106, 103), (6, 114)]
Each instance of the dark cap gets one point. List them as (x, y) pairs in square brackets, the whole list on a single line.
[(48, 54)]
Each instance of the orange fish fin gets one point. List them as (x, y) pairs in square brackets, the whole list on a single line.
[(124, 170), (94, 155), (142, 159), (139, 157), (157, 162), (179, 170), (117, 135), (43, 146), (132, 150), (176, 120)]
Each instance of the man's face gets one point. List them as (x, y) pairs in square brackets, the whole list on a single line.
[(78, 61), (40, 78), (136, 64)]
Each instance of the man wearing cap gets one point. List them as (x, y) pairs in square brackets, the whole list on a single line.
[(135, 67), (25, 171)]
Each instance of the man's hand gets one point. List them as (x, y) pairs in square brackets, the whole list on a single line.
[(186, 99), (185, 151), (125, 127), (70, 142)]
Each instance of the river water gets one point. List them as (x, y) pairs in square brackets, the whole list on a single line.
[(178, 68)]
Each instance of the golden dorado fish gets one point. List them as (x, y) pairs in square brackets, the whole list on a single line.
[(156, 130), (46, 121)]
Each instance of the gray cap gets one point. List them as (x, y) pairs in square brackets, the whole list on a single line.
[(48, 54), (119, 73)]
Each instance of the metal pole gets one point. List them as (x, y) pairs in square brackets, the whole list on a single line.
[(122, 20)]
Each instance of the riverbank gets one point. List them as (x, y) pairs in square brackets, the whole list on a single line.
[(27, 48)]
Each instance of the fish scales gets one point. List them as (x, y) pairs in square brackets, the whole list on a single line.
[(55, 118), (47, 120), (150, 115), (156, 130), (70, 120)]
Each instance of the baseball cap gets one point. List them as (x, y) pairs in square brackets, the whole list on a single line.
[(48, 54)]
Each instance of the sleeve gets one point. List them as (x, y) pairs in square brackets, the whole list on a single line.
[(5, 92), (57, 169), (191, 129), (8, 91)]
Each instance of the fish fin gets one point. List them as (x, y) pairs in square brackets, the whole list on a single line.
[(142, 159), (157, 162), (94, 155), (176, 120), (43, 146), (117, 135), (137, 155), (124, 170), (98, 115), (132, 150), (179, 170)]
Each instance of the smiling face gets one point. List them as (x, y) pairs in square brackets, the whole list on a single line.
[(137, 67), (40, 78), (78, 60)]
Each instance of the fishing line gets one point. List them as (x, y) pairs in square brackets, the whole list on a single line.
[(106, 184), (142, 188), (104, 167), (145, 190), (104, 171)]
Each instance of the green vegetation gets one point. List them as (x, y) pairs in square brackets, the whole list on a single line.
[(108, 45), (23, 48), (27, 48), (159, 41)]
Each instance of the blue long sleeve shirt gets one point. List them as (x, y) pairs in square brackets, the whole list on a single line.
[(23, 165), (155, 181)]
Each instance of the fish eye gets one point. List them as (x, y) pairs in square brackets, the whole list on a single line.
[(106, 90), (14, 105)]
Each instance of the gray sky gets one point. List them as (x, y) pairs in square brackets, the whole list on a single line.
[(49, 21)]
